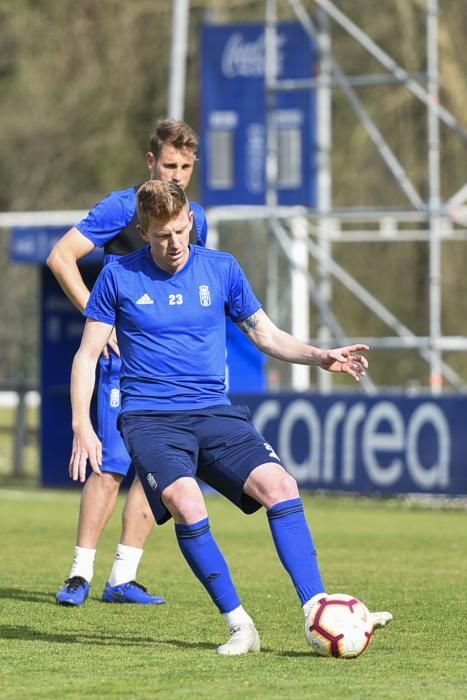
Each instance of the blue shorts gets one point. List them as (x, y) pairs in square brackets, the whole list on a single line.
[(219, 444), (115, 457)]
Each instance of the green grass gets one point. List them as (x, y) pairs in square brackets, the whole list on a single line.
[(408, 560)]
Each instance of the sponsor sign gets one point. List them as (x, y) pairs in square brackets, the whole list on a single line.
[(234, 116), (387, 444)]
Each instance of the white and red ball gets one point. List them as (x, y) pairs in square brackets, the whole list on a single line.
[(339, 625)]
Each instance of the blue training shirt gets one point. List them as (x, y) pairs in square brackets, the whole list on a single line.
[(116, 211), (171, 328)]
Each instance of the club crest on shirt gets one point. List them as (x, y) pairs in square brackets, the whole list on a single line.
[(204, 295)]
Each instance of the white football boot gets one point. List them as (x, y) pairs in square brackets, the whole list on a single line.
[(380, 619), (244, 638)]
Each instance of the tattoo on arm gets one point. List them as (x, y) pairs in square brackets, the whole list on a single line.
[(249, 324)]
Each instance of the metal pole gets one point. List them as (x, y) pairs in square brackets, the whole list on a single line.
[(178, 55), (20, 433), (434, 201), (324, 183), (272, 281), (300, 298), (270, 76)]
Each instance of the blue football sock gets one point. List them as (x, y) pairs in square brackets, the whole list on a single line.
[(208, 564), (295, 547)]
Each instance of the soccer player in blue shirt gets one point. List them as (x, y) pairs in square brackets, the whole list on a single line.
[(112, 225), (168, 303)]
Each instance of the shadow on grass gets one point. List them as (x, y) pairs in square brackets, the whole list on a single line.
[(294, 654), (30, 634), (28, 596)]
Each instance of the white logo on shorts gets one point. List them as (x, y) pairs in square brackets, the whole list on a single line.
[(115, 398), (204, 295), (152, 482), (271, 451)]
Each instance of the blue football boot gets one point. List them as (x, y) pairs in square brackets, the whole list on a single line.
[(74, 592), (131, 592)]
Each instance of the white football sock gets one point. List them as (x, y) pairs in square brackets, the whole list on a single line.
[(125, 565), (236, 617), (83, 563), (309, 603)]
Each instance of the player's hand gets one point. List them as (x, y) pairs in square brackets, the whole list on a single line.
[(346, 360), (112, 344), (86, 446)]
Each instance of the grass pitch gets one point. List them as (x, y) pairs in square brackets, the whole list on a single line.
[(411, 561)]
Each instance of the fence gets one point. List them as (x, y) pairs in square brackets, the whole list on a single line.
[(16, 425)]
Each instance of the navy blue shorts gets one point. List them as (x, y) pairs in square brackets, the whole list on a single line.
[(219, 444), (115, 457)]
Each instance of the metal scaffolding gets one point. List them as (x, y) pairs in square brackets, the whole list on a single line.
[(325, 225)]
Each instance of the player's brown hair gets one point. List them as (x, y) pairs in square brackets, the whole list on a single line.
[(175, 133), (159, 200)]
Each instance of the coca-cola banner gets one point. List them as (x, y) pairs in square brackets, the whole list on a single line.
[(233, 116)]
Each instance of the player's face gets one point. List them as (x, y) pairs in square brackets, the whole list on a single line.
[(169, 241), (172, 165)]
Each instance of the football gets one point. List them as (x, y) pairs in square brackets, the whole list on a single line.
[(339, 625)]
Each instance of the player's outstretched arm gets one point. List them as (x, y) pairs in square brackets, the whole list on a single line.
[(283, 346), (86, 444)]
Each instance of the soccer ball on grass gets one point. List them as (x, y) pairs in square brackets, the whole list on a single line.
[(339, 625)]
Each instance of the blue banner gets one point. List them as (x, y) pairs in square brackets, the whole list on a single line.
[(384, 444), (32, 244), (61, 330), (233, 116)]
